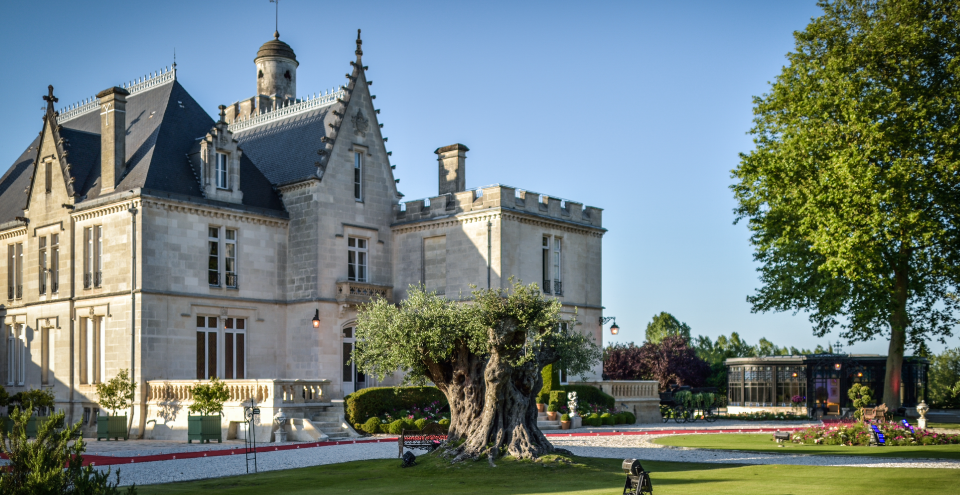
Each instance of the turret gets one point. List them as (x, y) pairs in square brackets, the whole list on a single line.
[(276, 70)]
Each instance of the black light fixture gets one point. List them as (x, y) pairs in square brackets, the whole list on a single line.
[(316, 319), (614, 329), (638, 480), (408, 459)]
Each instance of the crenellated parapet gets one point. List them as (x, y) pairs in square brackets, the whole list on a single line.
[(498, 196)]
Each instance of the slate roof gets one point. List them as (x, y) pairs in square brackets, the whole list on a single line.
[(163, 124), (286, 150)]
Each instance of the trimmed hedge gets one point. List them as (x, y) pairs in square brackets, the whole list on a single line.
[(631, 419), (607, 419), (558, 397), (445, 423), (397, 426), (421, 423), (587, 394), (369, 402), (372, 426), (592, 420)]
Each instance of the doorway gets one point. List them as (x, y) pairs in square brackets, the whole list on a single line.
[(353, 379)]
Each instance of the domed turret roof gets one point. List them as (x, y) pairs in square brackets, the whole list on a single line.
[(276, 48)]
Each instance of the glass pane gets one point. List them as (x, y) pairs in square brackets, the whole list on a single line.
[(347, 369), (228, 356), (240, 356), (546, 242), (230, 264), (214, 248), (362, 258), (348, 333), (351, 242), (201, 321), (362, 243), (241, 323), (211, 354), (351, 272), (214, 232), (231, 250), (228, 323), (231, 234), (361, 273), (212, 322), (201, 355)]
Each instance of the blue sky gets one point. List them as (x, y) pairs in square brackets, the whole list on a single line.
[(639, 108)]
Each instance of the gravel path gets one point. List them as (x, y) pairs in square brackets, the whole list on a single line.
[(613, 447)]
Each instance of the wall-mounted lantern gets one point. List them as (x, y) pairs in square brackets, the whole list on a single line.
[(316, 319), (614, 329)]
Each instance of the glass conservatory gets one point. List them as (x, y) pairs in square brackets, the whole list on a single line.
[(803, 384)]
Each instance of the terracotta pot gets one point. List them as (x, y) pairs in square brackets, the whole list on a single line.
[(552, 415), (565, 425), (541, 407)]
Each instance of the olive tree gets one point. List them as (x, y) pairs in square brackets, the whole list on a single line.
[(485, 354)]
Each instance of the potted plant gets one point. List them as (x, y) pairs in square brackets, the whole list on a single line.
[(37, 401), (565, 422), (208, 399), (552, 412), (541, 404), (115, 395)]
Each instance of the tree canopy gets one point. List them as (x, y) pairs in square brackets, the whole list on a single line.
[(485, 355), (852, 193), (666, 325)]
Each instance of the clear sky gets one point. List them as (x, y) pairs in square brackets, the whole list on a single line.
[(639, 108)]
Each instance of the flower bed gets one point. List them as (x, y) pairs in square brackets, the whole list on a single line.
[(764, 416), (859, 434)]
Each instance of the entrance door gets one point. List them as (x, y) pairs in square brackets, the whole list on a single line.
[(353, 380)]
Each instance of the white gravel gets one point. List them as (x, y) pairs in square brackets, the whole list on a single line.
[(614, 447)]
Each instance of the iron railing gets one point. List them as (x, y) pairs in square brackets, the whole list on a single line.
[(546, 286), (557, 288), (97, 279), (87, 280), (232, 280), (19, 292)]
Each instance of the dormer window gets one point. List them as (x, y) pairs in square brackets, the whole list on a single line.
[(221, 171)]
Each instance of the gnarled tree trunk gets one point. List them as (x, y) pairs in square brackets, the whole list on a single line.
[(492, 402)]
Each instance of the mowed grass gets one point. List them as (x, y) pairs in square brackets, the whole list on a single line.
[(585, 476), (762, 442)]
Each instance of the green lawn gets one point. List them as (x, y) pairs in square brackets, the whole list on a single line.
[(585, 476), (763, 442)]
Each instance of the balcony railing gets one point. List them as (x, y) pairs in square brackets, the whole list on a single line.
[(232, 280), (54, 287), (546, 286), (87, 280), (19, 292), (10, 292), (362, 292), (557, 288), (98, 279)]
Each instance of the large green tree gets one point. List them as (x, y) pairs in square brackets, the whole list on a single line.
[(666, 325), (486, 356), (852, 194)]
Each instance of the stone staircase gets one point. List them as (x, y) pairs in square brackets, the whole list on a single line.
[(545, 424), (331, 422)]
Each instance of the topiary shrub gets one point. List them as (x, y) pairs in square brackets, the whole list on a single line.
[(444, 423), (372, 426), (630, 418), (606, 419), (558, 397), (551, 382), (594, 420), (396, 427), (565, 417), (421, 423), (552, 407), (587, 394), (409, 424), (375, 401)]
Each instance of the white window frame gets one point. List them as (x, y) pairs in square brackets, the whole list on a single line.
[(230, 245), (223, 348), (220, 170), (557, 259), (42, 240), (54, 279), (213, 242), (93, 348), (358, 259), (219, 331), (47, 355), (207, 330), (16, 355), (358, 176)]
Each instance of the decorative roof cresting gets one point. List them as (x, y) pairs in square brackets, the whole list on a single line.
[(139, 85), (289, 110)]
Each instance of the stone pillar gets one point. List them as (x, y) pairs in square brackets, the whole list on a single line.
[(453, 168), (113, 136)]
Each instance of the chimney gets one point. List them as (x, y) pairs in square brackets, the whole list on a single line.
[(453, 169), (113, 136)]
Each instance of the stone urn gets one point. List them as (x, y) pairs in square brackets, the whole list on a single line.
[(922, 409)]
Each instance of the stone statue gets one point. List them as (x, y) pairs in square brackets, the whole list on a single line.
[(572, 404)]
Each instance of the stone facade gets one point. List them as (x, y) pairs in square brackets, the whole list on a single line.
[(150, 277)]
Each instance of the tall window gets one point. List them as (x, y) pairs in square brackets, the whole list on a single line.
[(43, 264), (46, 355), (206, 347), (791, 382), (48, 175), (758, 386), (213, 265), (92, 256), (358, 176), (356, 259), (546, 264), (557, 279), (15, 271), (221, 171), (230, 258), (93, 347), (16, 354), (735, 385), (234, 336), (55, 263)]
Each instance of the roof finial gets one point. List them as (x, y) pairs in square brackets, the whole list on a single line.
[(223, 113), (50, 99), (276, 20), (174, 58), (359, 51)]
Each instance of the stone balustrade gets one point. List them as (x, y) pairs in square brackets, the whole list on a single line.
[(641, 397), (266, 393), (362, 292)]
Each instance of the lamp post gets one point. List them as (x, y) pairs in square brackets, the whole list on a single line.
[(614, 329)]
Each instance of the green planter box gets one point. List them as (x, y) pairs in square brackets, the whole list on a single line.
[(114, 427), (7, 424), (203, 428)]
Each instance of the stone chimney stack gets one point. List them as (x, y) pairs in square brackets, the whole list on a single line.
[(113, 136), (453, 168)]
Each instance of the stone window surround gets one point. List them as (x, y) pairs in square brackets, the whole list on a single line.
[(372, 236), (16, 374), (222, 242), (250, 314), (364, 152), (101, 311), (555, 257), (54, 257)]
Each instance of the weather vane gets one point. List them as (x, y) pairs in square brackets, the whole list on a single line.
[(276, 19)]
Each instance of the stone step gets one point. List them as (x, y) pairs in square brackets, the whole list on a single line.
[(549, 425), (327, 425), (326, 418), (336, 435)]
